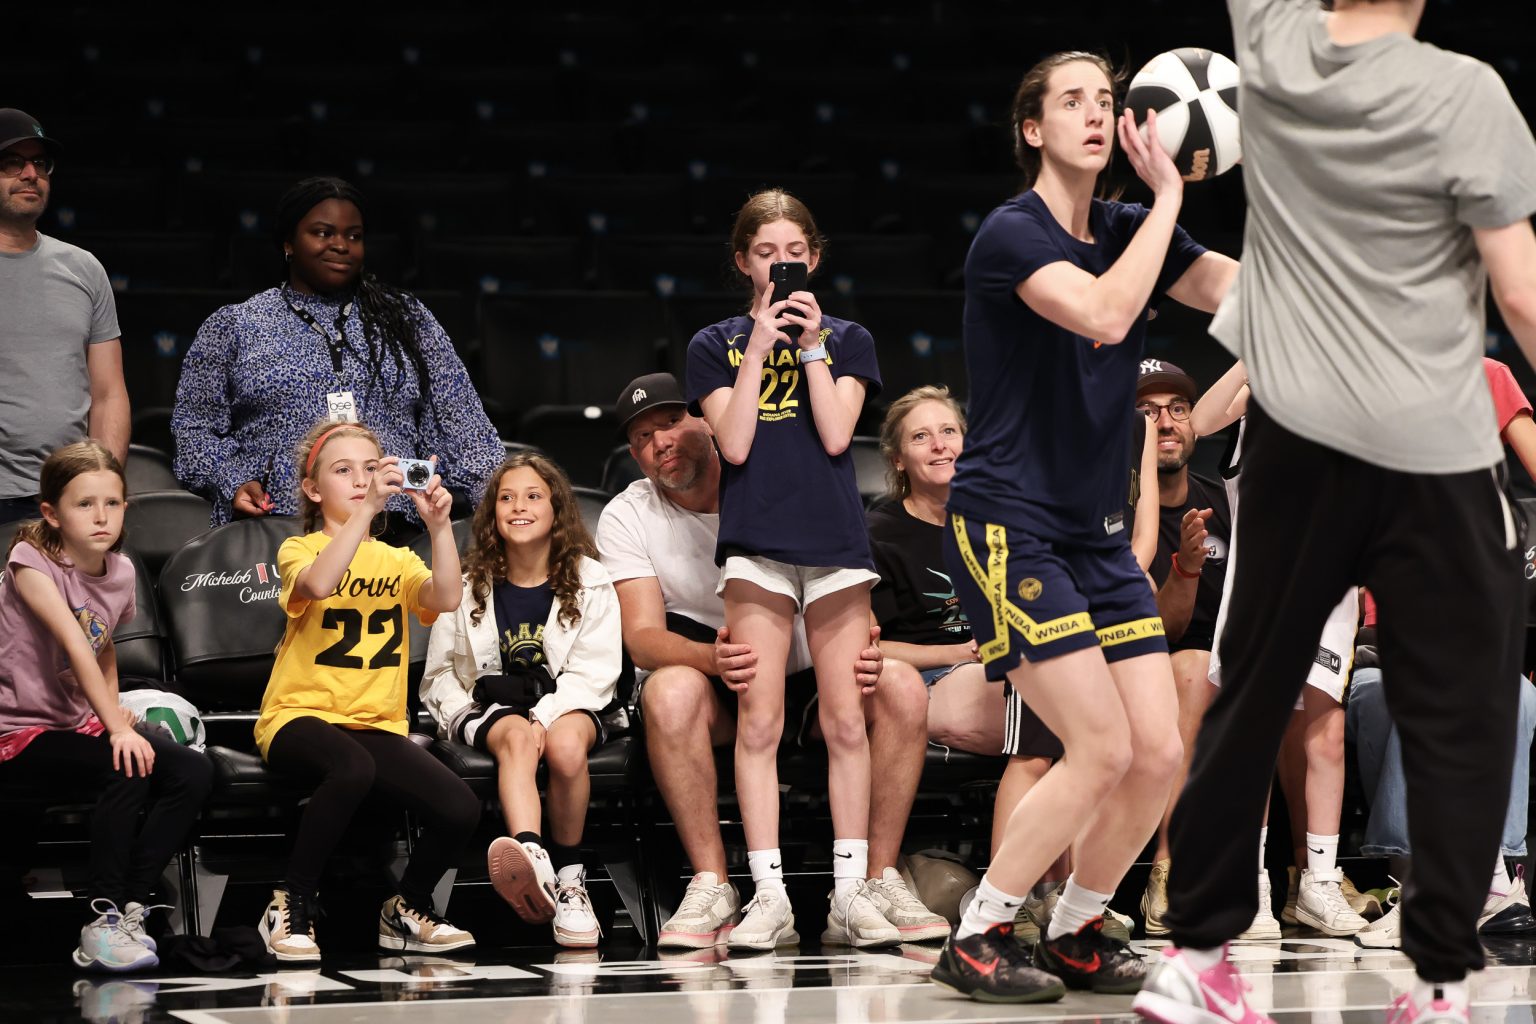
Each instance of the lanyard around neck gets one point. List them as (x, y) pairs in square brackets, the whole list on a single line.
[(335, 344)]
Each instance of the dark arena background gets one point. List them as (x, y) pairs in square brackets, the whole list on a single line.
[(557, 183)]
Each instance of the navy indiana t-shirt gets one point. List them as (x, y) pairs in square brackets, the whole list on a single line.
[(520, 616), (789, 501), (1050, 411)]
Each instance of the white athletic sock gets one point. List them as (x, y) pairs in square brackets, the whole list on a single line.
[(1076, 908), (1454, 991), (571, 874), (767, 868), (1263, 842), (1321, 852), (850, 862), (1500, 885), (1203, 959), (990, 908)]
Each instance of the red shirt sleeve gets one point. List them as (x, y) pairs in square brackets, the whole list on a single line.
[(1508, 400), (1369, 604)]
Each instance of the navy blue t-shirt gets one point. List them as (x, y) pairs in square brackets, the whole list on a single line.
[(1050, 411), (789, 501), (520, 616)]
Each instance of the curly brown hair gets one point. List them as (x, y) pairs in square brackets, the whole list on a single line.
[(486, 560)]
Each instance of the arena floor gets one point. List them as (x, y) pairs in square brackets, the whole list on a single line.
[(1319, 981)]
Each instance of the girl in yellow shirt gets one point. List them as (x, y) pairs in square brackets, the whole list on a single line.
[(334, 713)]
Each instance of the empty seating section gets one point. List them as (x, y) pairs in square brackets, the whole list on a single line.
[(564, 210)]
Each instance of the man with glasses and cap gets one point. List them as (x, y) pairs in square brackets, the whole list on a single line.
[(1190, 570), (61, 353), (657, 541)]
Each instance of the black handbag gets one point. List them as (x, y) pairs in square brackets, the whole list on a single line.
[(520, 689)]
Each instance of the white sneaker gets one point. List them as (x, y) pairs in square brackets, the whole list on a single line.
[(105, 945), (854, 920), (710, 909), (1321, 904), (768, 922), (1264, 926), (901, 907), (1509, 914), (288, 928), (403, 926), (133, 922), (522, 875), (576, 924), (1385, 932)]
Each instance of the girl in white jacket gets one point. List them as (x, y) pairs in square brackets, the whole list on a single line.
[(522, 671)]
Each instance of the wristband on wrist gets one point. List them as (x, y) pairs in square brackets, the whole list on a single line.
[(1180, 569)]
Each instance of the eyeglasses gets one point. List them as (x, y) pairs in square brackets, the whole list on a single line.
[(1178, 410), (12, 164)]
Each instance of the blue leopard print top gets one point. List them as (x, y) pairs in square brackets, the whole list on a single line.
[(256, 378)]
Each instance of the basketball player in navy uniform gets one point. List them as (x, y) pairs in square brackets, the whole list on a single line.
[(1388, 181), (1058, 287)]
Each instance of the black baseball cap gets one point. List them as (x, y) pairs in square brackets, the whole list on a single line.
[(1161, 375), (644, 393), (19, 126)]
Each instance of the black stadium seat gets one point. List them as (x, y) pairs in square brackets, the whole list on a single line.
[(562, 348), (592, 501), (158, 523), (577, 437), (220, 597), (869, 468), (501, 264), (620, 470), (917, 339), (149, 469), (140, 641), (153, 259)]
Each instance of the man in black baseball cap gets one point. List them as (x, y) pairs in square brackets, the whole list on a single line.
[(645, 393), (59, 343), (19, 126)]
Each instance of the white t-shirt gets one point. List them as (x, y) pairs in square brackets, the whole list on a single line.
[(644, 534)]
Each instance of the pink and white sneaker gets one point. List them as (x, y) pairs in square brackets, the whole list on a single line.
[(1439, 1010), (1176, 993)]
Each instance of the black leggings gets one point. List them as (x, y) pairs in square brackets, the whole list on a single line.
[(348, 764), (126, 859)]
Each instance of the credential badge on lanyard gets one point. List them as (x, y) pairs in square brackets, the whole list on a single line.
[(340, 406)]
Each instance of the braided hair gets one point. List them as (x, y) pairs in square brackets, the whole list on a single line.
[(391, 321)]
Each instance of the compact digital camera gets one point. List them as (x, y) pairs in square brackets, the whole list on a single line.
[(417, 474)]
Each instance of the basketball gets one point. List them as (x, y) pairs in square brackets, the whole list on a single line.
[(1194, 92)]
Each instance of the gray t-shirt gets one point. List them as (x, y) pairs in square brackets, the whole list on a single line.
[(55, 300), (1359, 309)]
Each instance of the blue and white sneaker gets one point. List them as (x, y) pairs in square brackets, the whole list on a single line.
[(106, 945), (133, 922)]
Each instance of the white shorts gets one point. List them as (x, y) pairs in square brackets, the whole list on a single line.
[(805, 585), (1335, 649)]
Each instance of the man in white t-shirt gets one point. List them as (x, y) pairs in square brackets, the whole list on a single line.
[(657, 541)]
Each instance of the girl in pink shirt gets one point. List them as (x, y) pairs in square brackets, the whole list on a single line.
[(66, 587)]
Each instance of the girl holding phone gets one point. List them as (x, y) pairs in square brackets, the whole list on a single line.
[(782, 387)]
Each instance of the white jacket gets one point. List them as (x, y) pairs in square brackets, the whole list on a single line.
[(585, 661)]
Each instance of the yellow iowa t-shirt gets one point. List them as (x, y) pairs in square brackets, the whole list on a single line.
[(344, 659)]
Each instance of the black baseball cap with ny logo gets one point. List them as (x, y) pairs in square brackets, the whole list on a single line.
[(19, 126)]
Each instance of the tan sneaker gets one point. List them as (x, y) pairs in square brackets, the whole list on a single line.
[(1154, 902), (288, 928), (402, 926), (1292, 886), (1362, 903)]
